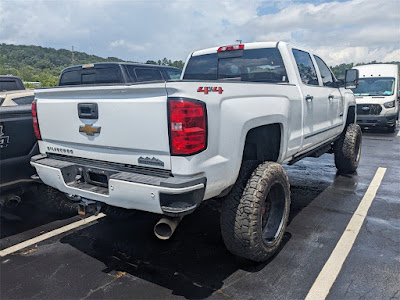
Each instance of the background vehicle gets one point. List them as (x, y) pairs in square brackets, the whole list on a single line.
[(103, 73), (17, 143), (10, 83), (223, 131), (377, 96)]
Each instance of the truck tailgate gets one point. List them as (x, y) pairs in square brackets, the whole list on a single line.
[(131, 123)]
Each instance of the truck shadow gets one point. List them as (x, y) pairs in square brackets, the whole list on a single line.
[(195, 262), (308, 178), (27, 215)]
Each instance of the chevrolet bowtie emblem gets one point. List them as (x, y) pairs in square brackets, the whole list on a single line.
[(89, 129)]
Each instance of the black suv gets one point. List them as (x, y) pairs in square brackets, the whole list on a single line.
[(106, 73)]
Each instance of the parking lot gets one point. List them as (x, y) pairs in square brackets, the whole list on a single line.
[(121, 258)]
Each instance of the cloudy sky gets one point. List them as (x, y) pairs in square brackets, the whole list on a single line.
[(340, 31)]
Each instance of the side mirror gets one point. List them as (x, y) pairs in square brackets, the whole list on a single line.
[(340, 82), (351, 79)]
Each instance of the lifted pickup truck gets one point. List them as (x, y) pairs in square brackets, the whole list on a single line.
[(223, 131)]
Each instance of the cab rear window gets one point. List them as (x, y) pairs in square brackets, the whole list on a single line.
[(8, 86), (90, 76), (256, 65)]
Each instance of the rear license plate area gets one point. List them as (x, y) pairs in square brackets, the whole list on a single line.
[(98, 178)]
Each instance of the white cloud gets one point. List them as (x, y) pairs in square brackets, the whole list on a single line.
[(351, 31), (392, 56), (129, 46), (338, 55)]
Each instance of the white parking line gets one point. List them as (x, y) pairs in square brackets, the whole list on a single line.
[(50, 234), (326, 278)]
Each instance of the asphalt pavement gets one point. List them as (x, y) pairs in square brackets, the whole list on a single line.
[(120, 258)]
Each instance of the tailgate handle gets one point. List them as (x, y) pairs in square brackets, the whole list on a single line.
[(88, 111)]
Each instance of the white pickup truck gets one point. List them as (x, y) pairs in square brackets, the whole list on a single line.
[(224, 130)]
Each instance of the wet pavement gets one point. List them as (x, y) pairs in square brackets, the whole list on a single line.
[(121, 258)]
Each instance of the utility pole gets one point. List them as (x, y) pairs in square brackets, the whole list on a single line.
[(73, 60)]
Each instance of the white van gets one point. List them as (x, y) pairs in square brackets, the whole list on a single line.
[(377, 95)]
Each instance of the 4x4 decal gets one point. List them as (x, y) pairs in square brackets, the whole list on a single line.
[(207, 89), (4, 139)]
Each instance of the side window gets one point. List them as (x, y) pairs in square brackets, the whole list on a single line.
[(23, 100), (306, 67), (327, 78), (143, 74), (173, 74)]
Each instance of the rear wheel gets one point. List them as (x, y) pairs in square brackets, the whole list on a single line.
[(254, 215), (347, 149)]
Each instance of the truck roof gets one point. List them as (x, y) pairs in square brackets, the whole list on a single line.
[(255, 45), (8, 77), (376, 70), (107, 64)]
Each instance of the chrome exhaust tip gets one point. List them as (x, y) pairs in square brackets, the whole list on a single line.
[(165, 228), (13, 202)]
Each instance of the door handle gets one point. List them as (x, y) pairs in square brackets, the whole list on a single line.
[(88, 111), (309, 98), (331, 97)]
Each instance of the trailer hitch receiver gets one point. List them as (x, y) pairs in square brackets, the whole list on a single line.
[(89, 207)]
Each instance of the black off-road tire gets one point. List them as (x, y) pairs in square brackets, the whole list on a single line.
[(347, 149), (243, 214)]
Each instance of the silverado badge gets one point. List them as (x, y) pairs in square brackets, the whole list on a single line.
[(89, 129)]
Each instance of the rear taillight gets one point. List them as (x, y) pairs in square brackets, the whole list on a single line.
[(187, 125), (35, 120)]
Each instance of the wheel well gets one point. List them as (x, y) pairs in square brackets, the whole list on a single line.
[(263, 143), (351, 115)]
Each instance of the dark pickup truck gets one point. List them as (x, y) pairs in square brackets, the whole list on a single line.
[(112, 73), (17, 145), (10, 83), (17, 140)]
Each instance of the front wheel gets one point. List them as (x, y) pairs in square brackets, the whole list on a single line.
[(347, 149), (254, 215)]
